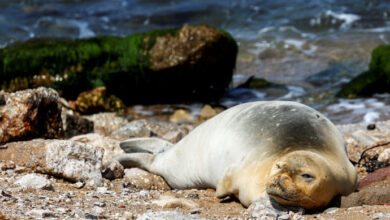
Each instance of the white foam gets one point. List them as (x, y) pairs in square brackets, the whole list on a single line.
[(84, 30), (294, 91), (347, 19), (370, 117)]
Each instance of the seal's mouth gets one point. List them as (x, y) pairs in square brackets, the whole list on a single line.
[(281, 199)]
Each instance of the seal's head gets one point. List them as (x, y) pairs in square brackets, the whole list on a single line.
[(305, 179)]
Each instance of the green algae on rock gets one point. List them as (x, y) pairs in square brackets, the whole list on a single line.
[(375, 80), (183, 64)]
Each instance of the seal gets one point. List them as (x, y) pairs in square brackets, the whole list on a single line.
[(284, 149)]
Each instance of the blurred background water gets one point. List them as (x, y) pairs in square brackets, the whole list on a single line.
[(309, 47)]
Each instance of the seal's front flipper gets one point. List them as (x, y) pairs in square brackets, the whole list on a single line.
[(145, 145), (141, 160)]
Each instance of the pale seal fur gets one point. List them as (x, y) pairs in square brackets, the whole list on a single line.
[(285, 149)]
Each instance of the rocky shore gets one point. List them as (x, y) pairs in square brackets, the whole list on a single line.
[(53, 162)]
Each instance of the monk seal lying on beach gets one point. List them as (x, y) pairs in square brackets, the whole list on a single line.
[(285, 149)]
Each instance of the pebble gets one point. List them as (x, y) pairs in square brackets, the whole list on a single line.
[(99, 204), (181, 115), (384, 156), (40, 213), (102, 190), (79, 185), (35, 182), (90, 216), (331, 210)]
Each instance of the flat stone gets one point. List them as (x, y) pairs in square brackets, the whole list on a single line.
[(34, 181), (75, 161)]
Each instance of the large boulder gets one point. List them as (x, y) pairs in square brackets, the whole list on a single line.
[(188, 63), (71, 160), (375, 80), (30, 114)]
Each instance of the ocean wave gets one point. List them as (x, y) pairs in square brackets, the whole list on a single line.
[(332, 18)]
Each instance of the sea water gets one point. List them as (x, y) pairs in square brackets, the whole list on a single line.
[(310, 48)]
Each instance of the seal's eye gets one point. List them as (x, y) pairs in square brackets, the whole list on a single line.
[(307, 176), (278, 166)]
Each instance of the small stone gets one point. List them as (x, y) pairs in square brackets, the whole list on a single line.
[(99, 204), (207, 112), (384, 156), (40, 213), (90, 216), (35, 182), (122, 206), (102, 190), (181, 115), (331, 210), (79, 213), (193, 195), (114, 170), (284, 217), (371, 127), (172, 202), (5, 194), (195, 211), (8, 165), (79, 185)]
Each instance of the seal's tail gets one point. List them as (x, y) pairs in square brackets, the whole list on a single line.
[(145, 145)]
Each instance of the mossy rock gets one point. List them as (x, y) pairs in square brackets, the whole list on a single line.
[(182, 64), (375, 80)]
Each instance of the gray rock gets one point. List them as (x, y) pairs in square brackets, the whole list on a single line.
[(33, 181), (106, 123), (163, 215), (110, 146), (138, 128), (76, 125), (75, 161)]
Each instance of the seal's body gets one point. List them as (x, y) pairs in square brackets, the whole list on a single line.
[(285, 149)]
